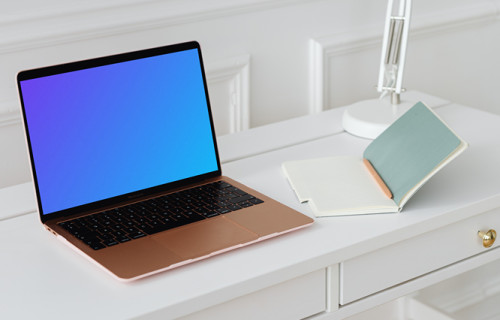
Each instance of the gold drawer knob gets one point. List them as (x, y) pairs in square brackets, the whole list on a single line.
[(488, 237)]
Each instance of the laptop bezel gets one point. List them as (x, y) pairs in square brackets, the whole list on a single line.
[(97, 62)]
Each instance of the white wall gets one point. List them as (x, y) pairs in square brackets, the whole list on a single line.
[(267, 60)]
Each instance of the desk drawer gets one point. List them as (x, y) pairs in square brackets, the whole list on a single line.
[(297, 298), (384, 268), (471, 295)]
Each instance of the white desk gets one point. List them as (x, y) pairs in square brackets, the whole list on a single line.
[(337, 267)]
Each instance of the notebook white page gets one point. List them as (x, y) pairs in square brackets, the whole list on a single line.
[(337, 186)]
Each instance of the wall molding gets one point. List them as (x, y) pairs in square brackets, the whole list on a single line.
[(235, 71), (323, 49), (455, 299), (9, 113), (91, 20), (9, 118)]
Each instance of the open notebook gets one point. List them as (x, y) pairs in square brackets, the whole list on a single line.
[(405, 156)]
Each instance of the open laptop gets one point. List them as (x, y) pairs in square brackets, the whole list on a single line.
[(125, 163)]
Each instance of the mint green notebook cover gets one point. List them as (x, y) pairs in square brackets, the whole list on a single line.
[(411, 148)]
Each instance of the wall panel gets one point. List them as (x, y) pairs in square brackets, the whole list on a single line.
[(445, 57), (267, 60)]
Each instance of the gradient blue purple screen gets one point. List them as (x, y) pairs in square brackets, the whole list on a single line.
[(111, 130)]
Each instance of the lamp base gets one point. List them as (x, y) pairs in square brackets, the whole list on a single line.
[(369, 118)]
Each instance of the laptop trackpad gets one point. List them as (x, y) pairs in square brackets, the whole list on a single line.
[(204, 237)]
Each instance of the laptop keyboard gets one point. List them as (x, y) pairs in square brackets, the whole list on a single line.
[(148, 217)]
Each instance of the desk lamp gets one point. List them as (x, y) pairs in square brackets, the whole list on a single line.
[(368, 118)]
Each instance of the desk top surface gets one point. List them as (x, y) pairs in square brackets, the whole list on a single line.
[(41, 278)]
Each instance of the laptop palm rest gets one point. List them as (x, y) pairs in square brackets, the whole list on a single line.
[(204, 237)]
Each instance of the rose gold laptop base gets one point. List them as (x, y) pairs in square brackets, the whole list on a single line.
[(192, 242)]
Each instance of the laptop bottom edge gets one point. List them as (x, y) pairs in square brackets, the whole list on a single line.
[(175, 265)]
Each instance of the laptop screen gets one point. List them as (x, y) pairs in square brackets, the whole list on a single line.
[(113, 129)]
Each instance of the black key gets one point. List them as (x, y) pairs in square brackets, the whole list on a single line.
[(221, 184), (144, 226), (119, 233), (141, 210), (91, 242), (181, 219), (140, 221), (223, 210), (155, 223), (233, 189), (87, 237), (130, 215), (95, 226), (118, 227), (123, 239), (175, 210), (211, 207), (169, 223), (229, 196), (158, 228), (110, 243), (119, 219), (245, 204), (255, 201), (240, 192), (234, 207), (222, 204), (128, 224), (137, 235), (163, 214), (131, 230), (154, 209), (105, 237), (97, 246), (105, 230), (241, 198), (192, 216), (210, 214), (106, 223)]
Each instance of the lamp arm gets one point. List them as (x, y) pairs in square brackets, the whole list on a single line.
[(394, 46)]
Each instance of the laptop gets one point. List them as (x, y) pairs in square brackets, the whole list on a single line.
[(126, 168)]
